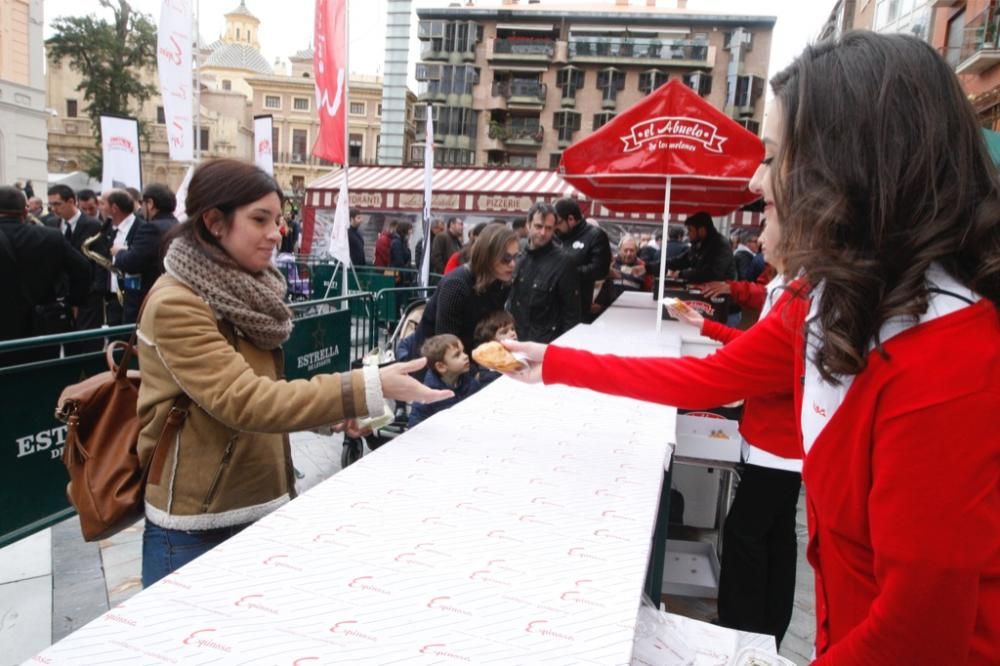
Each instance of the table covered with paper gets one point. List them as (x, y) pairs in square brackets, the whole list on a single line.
[(513, 528)]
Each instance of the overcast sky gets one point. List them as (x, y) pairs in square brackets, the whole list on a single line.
[(287, 25)]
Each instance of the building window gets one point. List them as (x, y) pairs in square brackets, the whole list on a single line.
[(602, 119), (201, 138), (570, 79), (357, 108), (161, 115), (300, 103), (227, 84), (299, 142), (700, 82), (748, 88), (71, 108), (565, 123), (522, 161), (272, 102), (355, 145), (610, 81), (554, 160), (379, 114), (237, 33), (956, 32), (651, 80), (455, 121), (275, 142)]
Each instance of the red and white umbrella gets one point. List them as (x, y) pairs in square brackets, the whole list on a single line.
[(671, 151)]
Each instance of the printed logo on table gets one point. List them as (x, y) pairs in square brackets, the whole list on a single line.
[(580, 551), (202, 638), (409, 558), (252, 602), (440, 603), (366, 583), (441, 650), (120, 619), (429, 548), (279, 561), (542, 628), (486, 576), (349, 628), (502, 535)]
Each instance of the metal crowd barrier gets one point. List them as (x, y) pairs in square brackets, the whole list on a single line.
[(329, 334)]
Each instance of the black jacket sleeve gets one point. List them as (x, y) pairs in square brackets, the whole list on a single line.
[(716, 264), (452, 296), (143, 252), (77, 269), (598, 257), (357, 246), (569, 297)]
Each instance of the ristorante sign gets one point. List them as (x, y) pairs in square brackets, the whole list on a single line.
[(673, 133)]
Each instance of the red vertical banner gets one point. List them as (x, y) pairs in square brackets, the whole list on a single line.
[(330, 70)]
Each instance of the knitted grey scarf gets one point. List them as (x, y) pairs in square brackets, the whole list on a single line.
[(253, 303)]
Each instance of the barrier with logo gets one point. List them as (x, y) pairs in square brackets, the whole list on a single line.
[(327, 337)]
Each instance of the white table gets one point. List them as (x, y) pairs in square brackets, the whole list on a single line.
[(513, 528)]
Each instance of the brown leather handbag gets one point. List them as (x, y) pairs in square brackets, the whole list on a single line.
[(107, 481)]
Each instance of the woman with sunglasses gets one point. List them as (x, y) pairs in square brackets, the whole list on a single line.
[(876, 170), (471, 292)]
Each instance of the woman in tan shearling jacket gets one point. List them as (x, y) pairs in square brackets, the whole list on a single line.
[(210, 335)]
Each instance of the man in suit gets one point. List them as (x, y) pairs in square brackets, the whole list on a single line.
[(121, 229), (140, 260), (355, 239), (77, 228), (44, 267)]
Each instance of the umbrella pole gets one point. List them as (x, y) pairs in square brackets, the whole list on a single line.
[(663, 255)]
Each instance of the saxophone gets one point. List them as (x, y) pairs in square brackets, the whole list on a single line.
[(104, 263)]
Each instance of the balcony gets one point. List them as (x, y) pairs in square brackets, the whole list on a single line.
[(517, 92), (980, 44), (638, 51), (523, 49), (299, 158), (529, 136)]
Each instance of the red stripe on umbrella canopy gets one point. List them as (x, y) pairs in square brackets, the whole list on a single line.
[(670, 133)]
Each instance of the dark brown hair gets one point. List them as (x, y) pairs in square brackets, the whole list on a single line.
[(486, 329), (223, 185), (489, 248), (436, 347), (882, 170)]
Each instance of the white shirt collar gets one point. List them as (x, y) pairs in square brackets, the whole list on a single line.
[(122, 229), (73, 220)]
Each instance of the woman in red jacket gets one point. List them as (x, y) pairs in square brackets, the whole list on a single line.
[(889, 204)]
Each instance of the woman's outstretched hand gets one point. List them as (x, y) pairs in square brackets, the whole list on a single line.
[(532, 353), (398, 385), (688, 315)]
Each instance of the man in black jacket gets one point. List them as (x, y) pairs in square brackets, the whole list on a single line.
[(77, 228), (37, 265), (710, 258), (140, 261), (545, 296), (446, 244), (355, 240), (121, 229), (589, 248)]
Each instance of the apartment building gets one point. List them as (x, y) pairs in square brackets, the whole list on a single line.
[(515, 85), (968, 34)]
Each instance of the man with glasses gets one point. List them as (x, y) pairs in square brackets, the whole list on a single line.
[(589, 248), (545, 296), (77, 227)]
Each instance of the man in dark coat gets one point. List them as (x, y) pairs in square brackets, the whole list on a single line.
[(120, 230), (710, 257), (589, 248), (355, 239), (545, 296), (446, 244), (140, 261), (78, 227), (37, 265)]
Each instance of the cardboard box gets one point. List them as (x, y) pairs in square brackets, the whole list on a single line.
[(707, 436)]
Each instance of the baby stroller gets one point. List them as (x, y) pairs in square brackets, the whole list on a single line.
[(299, 288), (396, 348)]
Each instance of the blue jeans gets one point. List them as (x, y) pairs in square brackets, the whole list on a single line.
[(165, 550)]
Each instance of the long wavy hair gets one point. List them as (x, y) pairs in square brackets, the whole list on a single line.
[(882, 171)]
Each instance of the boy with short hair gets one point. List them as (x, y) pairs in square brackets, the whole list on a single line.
[(497, 326), (447, 368)]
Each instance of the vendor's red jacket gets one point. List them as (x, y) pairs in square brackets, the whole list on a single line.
[(769, 421), (902, 489)]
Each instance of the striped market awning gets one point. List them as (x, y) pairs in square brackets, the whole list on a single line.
[(458, 190)]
